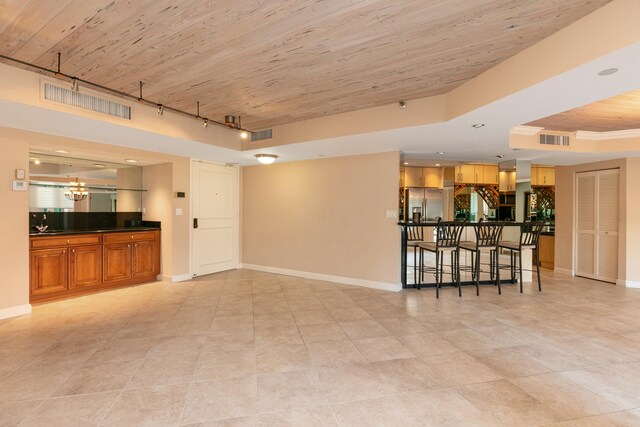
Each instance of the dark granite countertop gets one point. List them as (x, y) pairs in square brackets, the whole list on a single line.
[(101, 230)]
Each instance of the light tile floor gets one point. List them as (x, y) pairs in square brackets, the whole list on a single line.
[(245, 348)]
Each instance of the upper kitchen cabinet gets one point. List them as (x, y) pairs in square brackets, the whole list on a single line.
[(476, 174), (543, 175), (423, 177), (507, 181)]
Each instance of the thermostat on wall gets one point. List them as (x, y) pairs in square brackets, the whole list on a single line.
[(19, 186), (180, 194)]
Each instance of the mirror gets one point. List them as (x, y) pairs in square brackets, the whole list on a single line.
[(111, 187)]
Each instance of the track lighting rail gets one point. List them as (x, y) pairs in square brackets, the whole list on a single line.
[(161, 107)]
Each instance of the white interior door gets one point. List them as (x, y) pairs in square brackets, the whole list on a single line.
[(597, 218), (215, 218), (607, 228)]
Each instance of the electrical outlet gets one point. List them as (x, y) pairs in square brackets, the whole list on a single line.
[(392, 214)]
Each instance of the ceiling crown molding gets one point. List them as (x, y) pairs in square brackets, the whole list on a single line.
[(601, 136), (525, 130)]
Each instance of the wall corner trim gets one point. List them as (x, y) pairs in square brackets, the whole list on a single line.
[(17, 310), (180, 277), (392, 287), (563, 271), (628, 283)]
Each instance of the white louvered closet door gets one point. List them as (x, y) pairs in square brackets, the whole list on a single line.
[(586, 224), (607, 228), (597, 218)]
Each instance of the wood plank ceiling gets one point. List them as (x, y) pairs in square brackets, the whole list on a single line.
[(620, 112), (279, 61)]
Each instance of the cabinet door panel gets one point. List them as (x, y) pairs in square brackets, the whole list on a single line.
[(145, 258), (48, 271), (412, 177), (490, 174), (117, 262), (85, 266)]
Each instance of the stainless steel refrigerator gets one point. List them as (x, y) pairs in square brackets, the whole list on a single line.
[(427, 203)]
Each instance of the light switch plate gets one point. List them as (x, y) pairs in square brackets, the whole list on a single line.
[(392, 214), (178, 211)]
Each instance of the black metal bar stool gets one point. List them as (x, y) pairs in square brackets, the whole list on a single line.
[(529, 239), (415, 235), (488, 238), (447, 240)]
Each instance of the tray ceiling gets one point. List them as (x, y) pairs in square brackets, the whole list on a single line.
[(274, 61), (620, 112)]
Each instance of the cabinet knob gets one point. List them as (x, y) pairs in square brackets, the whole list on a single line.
[(64, 252), (73, 251), (68, 241), (129, 245), (132, 237)]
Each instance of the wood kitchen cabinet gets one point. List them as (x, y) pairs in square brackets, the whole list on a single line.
[(48, 271), (431, 177), (476, 174), (543, 175), (507, 181), (75, 264), (85, 266)]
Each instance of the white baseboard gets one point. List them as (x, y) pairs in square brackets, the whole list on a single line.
[(628, 283), (18, 310), (394, 287), (563, 271), (178, 278)]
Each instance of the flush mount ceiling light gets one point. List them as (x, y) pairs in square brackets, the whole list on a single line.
[(98, 165), (500, 156), (266, 159), (61, 151), (477, 125), (131, 160), (608, 72)]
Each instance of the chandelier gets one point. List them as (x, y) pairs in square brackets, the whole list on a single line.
[(76, 191)]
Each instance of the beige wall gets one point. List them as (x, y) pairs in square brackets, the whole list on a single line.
[(324, 216), (181, 224), (565, 213), (157, 205), (14, 227), (129, 201)]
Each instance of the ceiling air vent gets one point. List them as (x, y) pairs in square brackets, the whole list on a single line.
[(66, 96), (554, 140), (262, 134)]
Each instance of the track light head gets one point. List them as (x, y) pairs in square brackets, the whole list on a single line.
[(230, 121), (244, 134), (74, 85), (205, 123), (160, 109)]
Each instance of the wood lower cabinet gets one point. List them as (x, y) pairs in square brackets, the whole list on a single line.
[(62, 266), (48, 271), (85, 266), (117, 262)]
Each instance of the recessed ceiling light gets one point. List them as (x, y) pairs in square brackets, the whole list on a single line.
[(98, 165), (500, 156), (61, 151), (406, 163), (131, 160), (477, 125), (437, 164), (36, 161), (608, 72), (440, 153)]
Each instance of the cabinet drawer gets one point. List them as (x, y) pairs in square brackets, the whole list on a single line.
[(58, 241), (129, 237)]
